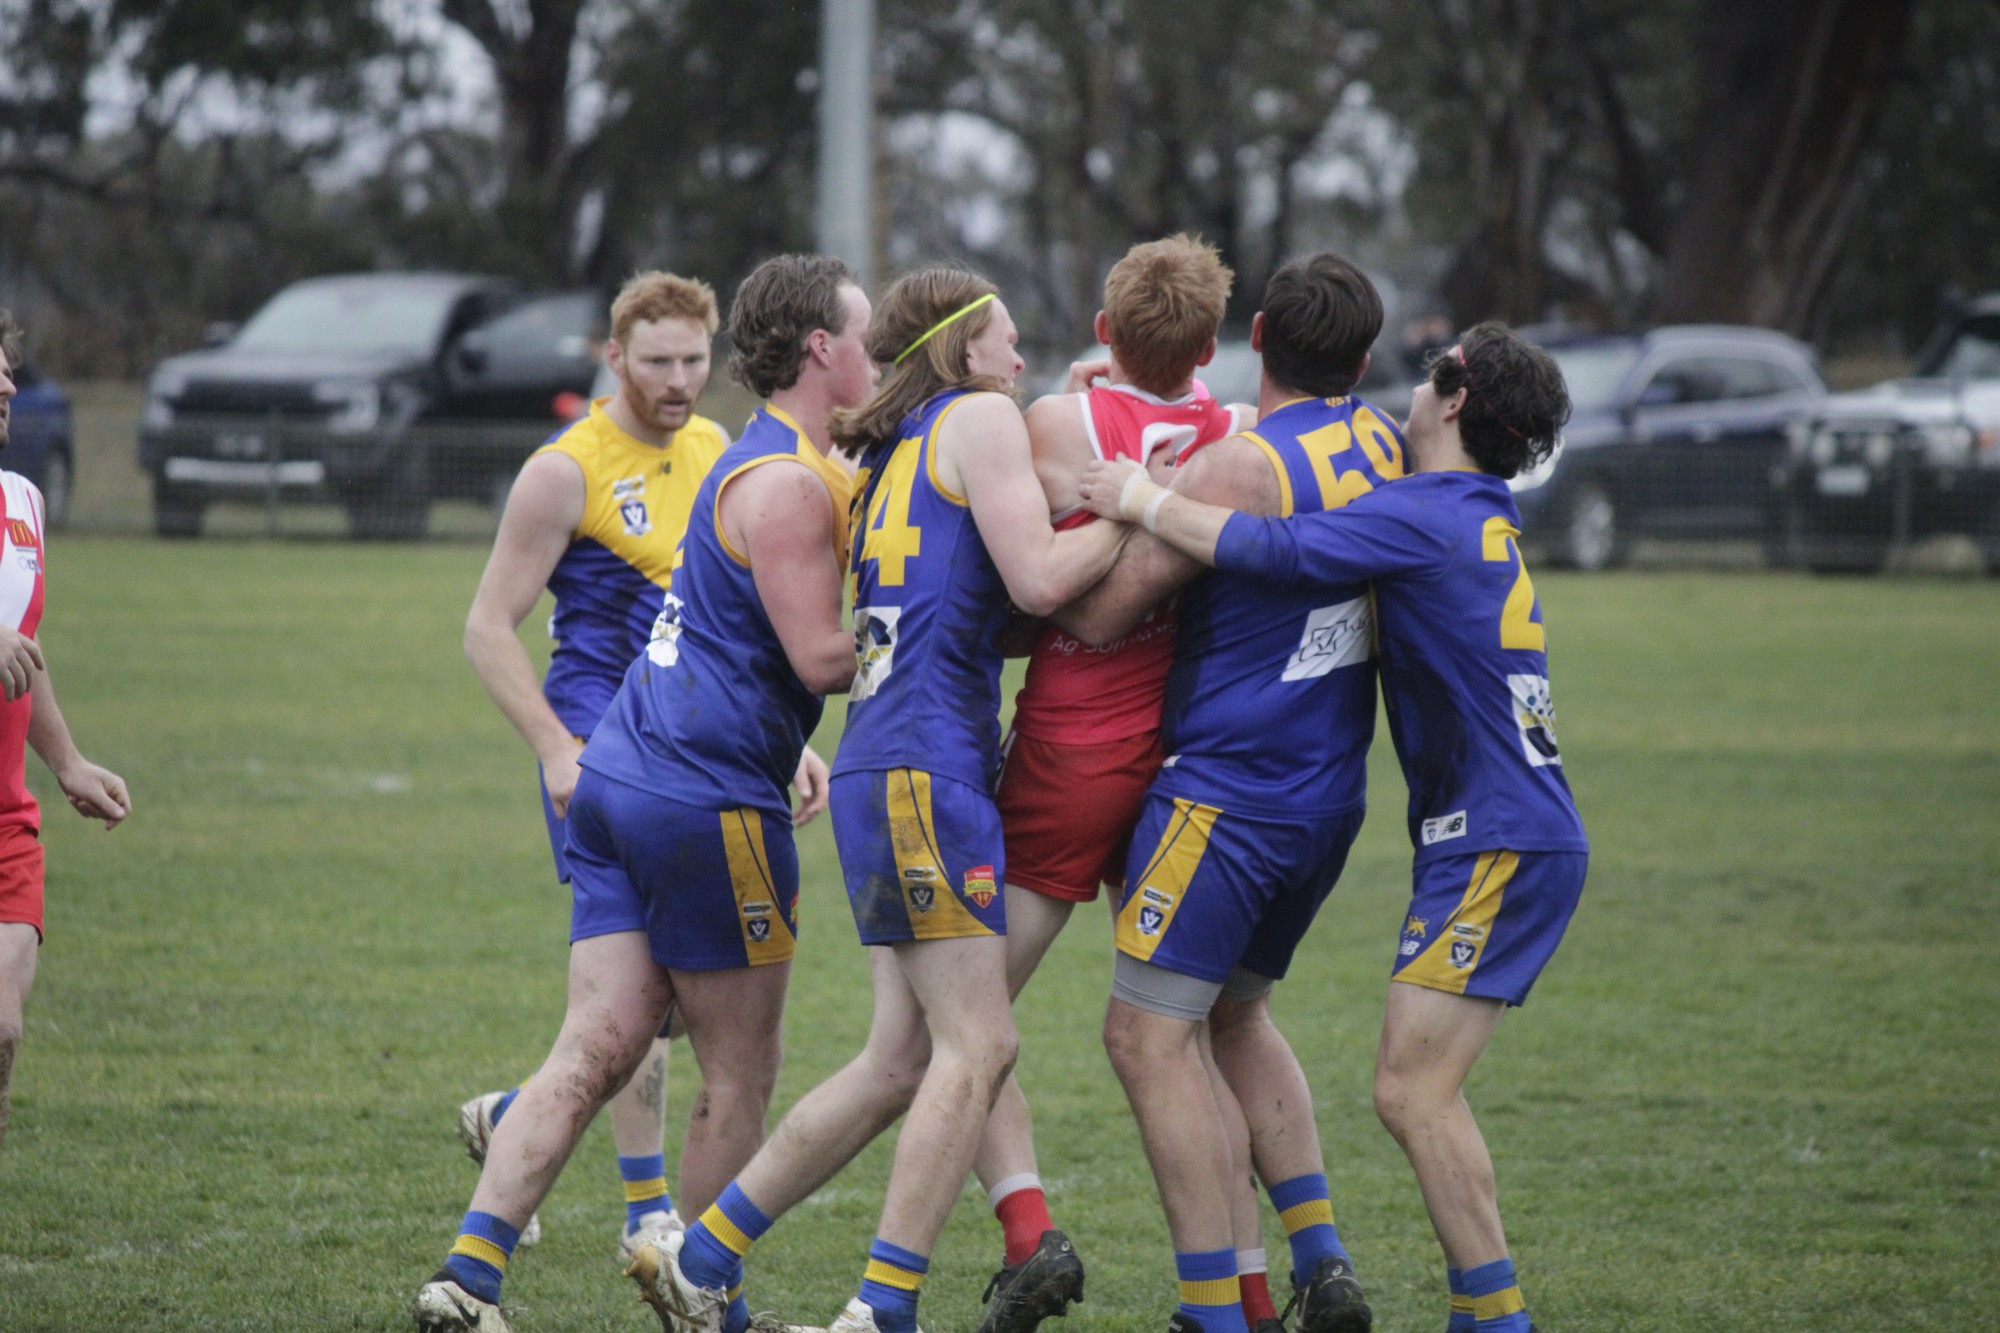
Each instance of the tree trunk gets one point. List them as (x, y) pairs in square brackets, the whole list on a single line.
[(1792, 91)]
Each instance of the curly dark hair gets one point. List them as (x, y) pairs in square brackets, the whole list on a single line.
[(776, 309), (10, 338), (1516, 403), (1321, 315)]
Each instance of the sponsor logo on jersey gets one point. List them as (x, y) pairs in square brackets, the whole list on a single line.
[(979, 885), (1444, 828), (664, 648), (923, 896), (1334, 636), (1465, 930), (1462, 954), (1408, 948), (19, 533), (757, 909), (27, 559), (1535, 716), (1416, 925), (874, 649), (1153, 910), (630, 495), (758, 929)]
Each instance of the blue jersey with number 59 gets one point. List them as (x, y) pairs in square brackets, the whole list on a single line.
[(1462, 652), (929, 606), (1270, 705)]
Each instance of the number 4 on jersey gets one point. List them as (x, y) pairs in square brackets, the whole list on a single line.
[(890, 540)]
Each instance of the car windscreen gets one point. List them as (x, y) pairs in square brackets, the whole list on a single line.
[(354, 319), (1593, 372), (1974, 354), (566, 326)]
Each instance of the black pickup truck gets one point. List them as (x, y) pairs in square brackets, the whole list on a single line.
[(381, 392)]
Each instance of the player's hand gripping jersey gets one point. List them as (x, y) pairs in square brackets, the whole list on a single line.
[(1463, 661), (1079, 695), (1271, 702), (712, 714), (607, 585)]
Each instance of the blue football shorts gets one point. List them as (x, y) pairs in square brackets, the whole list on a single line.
[(1207, 892), (923, 856), (711, 889), (1487, 923)]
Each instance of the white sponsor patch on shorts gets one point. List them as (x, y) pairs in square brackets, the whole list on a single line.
[(1535, 717), (1444, 828), (1334, 636), (664, 646)]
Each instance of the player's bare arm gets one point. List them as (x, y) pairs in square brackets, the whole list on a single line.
[(1233, 473), (781, 517), (984, 454), (1189, 524), (1061, 448), (95, 792), (542, 514)]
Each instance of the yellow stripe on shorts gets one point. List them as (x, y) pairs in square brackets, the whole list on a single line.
[(1470, 924), (482, 1249), (919, 864), (1163, 886), (889, 1275), (1311, 1213), (1212, 1291), (1498, 1305), (756, 896)]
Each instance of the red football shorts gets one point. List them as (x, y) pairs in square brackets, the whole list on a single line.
[(21, 876), (1067, 811)]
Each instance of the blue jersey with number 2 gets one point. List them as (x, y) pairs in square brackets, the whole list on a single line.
[(1463, 656)]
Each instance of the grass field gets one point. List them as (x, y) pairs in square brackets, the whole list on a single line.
[(1757, 1089)]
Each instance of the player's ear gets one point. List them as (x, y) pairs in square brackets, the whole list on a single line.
[(819, 346), (1101, 327), (1257, 333), (1207, 355), (1450, 409)]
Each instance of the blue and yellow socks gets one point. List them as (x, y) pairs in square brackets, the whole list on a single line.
[(479, 1260), (1210, 1294), (890, 1285), (645, 1188), (1305, 1207), (712, 1254), (1461, 1320), (1495, 1297)]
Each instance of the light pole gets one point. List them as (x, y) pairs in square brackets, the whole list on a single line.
[(847, 134)]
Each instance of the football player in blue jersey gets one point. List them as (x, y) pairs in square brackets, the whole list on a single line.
[(679, 843), (1248, 824), (595, 517), (949, 524), (1500, 850)]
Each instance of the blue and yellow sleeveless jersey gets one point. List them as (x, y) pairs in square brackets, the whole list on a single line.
[(712, 714), (928, 609), (607, 585), (1463, 659), (1271, 702)]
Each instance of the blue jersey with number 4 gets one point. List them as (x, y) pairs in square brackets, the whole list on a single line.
[(1461, 649), (929, 605), (1271, 701)]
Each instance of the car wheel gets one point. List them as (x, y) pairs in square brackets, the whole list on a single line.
[(1592, 535), (57, 481)]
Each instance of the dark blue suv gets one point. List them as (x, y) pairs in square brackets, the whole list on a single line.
[(40, 441), (1674, 433)]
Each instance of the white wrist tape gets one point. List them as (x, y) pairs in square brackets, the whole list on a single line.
[(1127, 491), (1152, 514)]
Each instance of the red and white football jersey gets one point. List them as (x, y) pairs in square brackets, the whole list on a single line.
[(1080, 695), (20, 609)]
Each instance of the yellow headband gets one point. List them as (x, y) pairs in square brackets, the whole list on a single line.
[(955, 315)]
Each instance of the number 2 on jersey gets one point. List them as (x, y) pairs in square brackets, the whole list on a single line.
[(890, 541), (1498, 543)]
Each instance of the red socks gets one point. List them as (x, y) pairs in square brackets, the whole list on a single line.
[(1024, 1216), (1256, 1298)]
